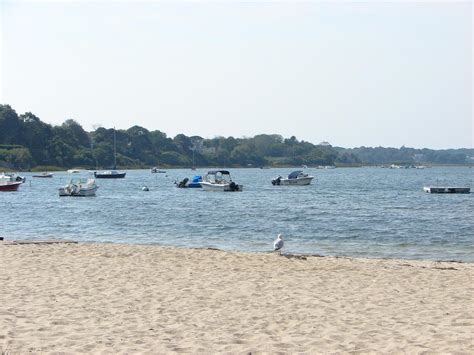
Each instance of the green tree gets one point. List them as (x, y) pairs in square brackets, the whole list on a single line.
[(10, 126), (36, 136)]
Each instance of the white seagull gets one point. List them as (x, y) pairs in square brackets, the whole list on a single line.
[(278, 243)]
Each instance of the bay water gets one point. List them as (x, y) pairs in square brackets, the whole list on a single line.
[(359, 212)]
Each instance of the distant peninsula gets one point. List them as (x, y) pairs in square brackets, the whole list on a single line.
[(28, 143)]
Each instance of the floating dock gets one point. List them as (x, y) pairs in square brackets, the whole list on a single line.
[(447, 190)]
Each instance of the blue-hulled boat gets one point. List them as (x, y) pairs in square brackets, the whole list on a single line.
[(194, 183)]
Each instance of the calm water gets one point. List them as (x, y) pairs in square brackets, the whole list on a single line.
[(363, 212)]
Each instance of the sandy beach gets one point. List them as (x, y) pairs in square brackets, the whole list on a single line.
[(132, 298)]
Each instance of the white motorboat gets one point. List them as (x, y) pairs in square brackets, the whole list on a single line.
[(155, 170), (11, 177), (79, 188), (76, 171), (295, 178), (219, 180)]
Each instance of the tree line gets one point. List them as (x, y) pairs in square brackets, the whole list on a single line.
[(27, 142)]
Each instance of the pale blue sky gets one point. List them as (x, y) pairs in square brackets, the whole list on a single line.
[(353, 74)]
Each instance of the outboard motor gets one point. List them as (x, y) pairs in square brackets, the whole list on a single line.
[(276, 181), (233, 186), (183, 182)]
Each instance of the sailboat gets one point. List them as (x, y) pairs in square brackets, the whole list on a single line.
[(44, 174), (193, 168), (111, 174)]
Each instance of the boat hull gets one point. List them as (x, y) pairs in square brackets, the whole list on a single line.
[(10, 186), (193, 185), (298, 182), (109, 176), (190, 185), (207, 186), (447, 190), (82, 192), (293, 182)]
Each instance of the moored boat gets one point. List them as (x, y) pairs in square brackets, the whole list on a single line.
[(219, 180), (194, 183), (297, 178), (43, 175), (79, 188), (447, 190), (75, 171), (111, 174), (11, 177), (9, 185), (155, 170)]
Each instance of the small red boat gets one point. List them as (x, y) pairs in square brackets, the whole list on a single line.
[(9, 186)]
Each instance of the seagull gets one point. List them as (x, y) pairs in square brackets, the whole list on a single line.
[(278, 243)]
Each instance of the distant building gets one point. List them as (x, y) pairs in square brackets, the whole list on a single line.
[(325, 144)]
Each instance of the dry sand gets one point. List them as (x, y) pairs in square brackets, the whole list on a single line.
[(124, 298)]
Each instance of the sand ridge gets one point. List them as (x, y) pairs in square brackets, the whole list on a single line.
[(136, 298)]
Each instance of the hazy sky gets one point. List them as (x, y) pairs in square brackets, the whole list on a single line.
[(354, 73)]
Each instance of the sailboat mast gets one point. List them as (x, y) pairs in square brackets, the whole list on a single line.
[(115, 151)]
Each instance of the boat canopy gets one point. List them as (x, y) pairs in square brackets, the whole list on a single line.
[(294, 174), (215, 172), (78, 181)]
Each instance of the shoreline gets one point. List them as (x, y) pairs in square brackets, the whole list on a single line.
[(317, 167), (288, 255), (105, 297)]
